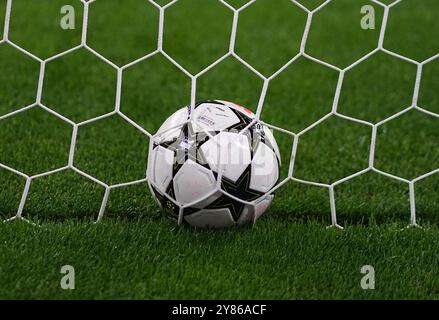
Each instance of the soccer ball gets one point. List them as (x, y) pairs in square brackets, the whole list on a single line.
[(219, 166)]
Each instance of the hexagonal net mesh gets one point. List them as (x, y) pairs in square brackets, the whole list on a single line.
[(266, 80)]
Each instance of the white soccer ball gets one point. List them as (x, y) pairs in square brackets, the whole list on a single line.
[(219, 165)]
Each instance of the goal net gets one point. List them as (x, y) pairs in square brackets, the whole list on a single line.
[(346, 91)]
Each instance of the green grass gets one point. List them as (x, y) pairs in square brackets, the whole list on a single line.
[(148, 258), (289, 254)]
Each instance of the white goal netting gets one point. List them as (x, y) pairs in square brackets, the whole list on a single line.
[(296, 136)]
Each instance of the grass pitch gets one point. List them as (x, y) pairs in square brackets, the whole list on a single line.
[(135, 252)]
